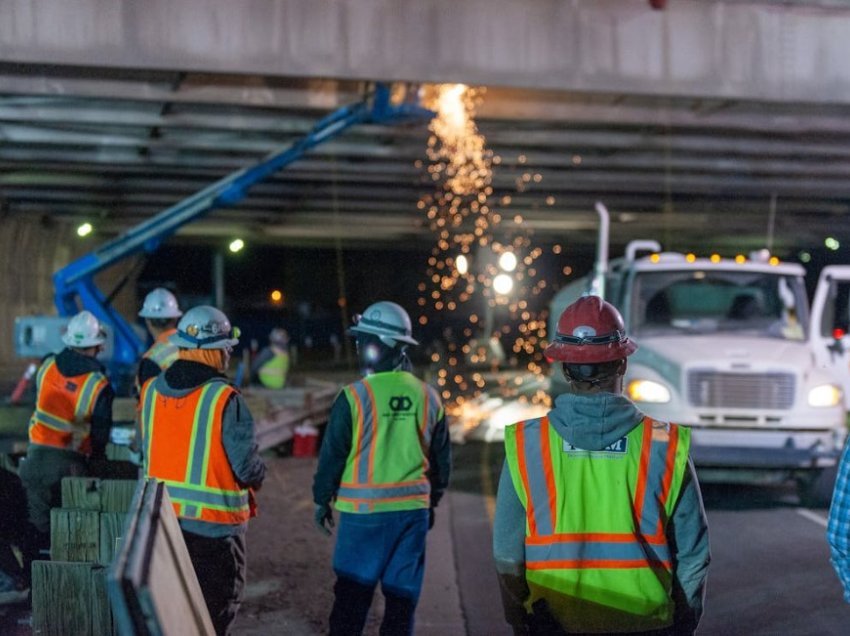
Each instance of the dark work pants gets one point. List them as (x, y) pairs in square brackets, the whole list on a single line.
[(388, 547), (220, 566)]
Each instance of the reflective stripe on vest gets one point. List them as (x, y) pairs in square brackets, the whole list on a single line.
[(184, 449), (162, 352), (565, 557), (393, 417), (64, 406)]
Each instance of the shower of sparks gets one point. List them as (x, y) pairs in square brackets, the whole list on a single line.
[(482, 248)]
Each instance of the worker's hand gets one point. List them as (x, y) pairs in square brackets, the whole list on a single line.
[(324, 518), (431, 515)]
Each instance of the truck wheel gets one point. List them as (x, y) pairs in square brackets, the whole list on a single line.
[(815, 490)]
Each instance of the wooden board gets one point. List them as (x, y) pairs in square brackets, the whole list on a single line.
[(81, 492), (69, 598), (116, 495), (152, 584), (111, 531), (74, 535)]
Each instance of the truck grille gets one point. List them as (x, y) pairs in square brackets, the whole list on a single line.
[(740, 390)]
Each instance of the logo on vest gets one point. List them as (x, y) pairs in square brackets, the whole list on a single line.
[(617, 448), (400, 403)]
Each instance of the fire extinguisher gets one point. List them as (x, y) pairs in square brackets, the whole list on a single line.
[(21, 386)]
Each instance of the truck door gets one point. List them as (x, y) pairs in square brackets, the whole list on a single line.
[(829, 332)]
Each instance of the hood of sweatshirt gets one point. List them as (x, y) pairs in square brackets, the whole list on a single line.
[(592, 422)]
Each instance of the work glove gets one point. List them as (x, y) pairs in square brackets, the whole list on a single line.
[(431, 515), (324, 518)]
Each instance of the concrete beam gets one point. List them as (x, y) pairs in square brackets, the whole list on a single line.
[(740, 50)]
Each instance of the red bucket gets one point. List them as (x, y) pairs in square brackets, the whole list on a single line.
[(305, 443)]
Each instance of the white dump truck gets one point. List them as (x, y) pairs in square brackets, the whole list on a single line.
[(729, 348)]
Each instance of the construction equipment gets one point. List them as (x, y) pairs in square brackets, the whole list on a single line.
[(728, 349), (74, 284)]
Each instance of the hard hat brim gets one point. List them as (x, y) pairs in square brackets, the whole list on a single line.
[(177, 340), (589, 353), (386, 334), (82, 345), (147, 314)]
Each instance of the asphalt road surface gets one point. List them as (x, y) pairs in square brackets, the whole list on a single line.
[(770, 570)]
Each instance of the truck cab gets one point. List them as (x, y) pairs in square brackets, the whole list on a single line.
[(727, 348)]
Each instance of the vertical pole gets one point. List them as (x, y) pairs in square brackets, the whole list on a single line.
[(600, 269), (218, 279), (771, 222)]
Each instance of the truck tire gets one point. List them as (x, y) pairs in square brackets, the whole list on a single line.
[(815, 490)]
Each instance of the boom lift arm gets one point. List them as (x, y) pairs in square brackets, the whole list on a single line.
[(74, 283)]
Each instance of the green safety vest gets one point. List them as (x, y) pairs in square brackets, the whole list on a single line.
[(273, 373), (596, 548), (393, 415)]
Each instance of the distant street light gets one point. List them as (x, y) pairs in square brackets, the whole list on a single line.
[(236, 245), (503, 284), (507, 261), (462, 264), (85, 229)]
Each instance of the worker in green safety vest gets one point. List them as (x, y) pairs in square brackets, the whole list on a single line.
[(385, 460), (599, 524), (271, 365)]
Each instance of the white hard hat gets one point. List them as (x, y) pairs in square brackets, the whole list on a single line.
[(388, 321), (84, 331), (204, 327), (160, 303)]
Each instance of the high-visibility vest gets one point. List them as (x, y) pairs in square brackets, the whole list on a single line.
[(162, 352), (393, 415), (183, 447), (273, 373), (63, 408), (596, 548)]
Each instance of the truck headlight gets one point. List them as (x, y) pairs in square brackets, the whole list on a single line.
[(825, 395), (647, 391)]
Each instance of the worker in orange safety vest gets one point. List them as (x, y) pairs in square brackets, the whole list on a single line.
[(599, 524), (160, 311), (198, 438), (70, 426)]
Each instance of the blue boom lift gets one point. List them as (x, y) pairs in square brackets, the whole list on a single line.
[(74, 284)]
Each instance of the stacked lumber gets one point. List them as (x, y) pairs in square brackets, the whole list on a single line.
[(152, 584), (69, 591), (277, 412)]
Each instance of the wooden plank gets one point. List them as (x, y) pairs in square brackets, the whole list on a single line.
[(111, 531), (102, 621), (117, 494), (81, 492), (61, 598), (152, 584), (124, 409), (74, 535)]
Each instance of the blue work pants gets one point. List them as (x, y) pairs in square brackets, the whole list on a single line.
[(384, 546)]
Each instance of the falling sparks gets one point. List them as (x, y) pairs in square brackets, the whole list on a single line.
[(482, 272)]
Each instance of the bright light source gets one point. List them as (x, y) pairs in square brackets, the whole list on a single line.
[(655, 258), (85, 229), (805, 257), (825, 395), (773, 261), (503, 284), (715, 258), (276, 296), (648, 391), (832, 243), (507, 261), (462, 264), (236, 245), (691, 258), (740, 258)]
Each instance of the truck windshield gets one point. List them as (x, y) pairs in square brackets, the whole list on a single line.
[(710, 301)]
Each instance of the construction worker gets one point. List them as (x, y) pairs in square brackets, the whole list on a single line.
[(160, 311), (70, 427), (599, 524), (385, 459), (272, 363), (198, 438)]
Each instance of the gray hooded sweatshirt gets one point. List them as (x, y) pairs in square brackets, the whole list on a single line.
[(592, 422)]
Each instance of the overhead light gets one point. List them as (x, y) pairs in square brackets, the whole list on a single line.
[(832, 243), (85, 229), (236, 245), (805, 257), (462, 264), (503, 284), (276, 296), (507, 261)]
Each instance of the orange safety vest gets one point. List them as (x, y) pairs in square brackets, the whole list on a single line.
[(63, 409), (162, 353), (182, 440)]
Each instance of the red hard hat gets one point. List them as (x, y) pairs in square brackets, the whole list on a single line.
[(590, 331)]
